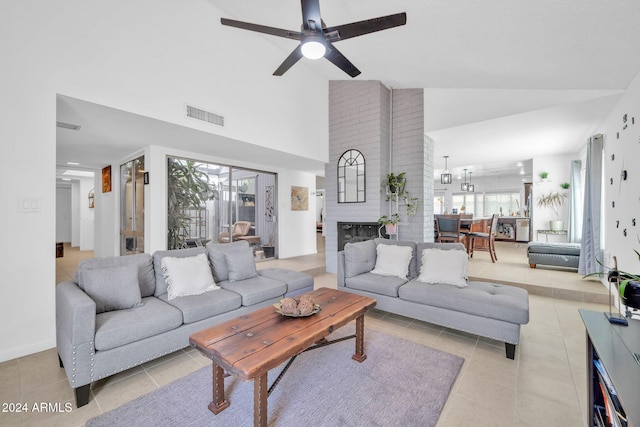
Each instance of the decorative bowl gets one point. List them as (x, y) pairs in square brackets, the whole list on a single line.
[(278, 307)]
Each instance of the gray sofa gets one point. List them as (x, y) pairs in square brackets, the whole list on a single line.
[(96, 340), (486, 309)]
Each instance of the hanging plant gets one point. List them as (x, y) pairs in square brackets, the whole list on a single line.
[(394, 188)]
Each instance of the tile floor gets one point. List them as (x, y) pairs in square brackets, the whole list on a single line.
[(544, 386)]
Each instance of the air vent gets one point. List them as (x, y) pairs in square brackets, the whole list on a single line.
[(67, 126), (205, 116)]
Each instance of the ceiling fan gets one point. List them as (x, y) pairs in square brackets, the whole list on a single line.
[(316, 39)]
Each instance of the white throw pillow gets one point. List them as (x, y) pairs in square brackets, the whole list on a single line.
[(187, 275), (444, 266), (393, 260)]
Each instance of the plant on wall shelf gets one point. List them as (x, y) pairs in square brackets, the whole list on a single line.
[(394, 188), (390, 222), (394, 185), (565, 185), (188, 188), (394, 219), (544, 175)]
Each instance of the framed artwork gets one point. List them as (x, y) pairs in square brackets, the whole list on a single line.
[(106, 179), (299, 198)]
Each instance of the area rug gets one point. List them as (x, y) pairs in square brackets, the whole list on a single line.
[(401, 383)]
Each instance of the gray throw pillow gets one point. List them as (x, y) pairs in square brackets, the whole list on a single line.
[(114, 288), (241, 264), (359, 257), (217, 257)]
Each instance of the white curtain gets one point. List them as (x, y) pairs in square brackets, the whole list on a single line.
[(575, 208), (591, 252)]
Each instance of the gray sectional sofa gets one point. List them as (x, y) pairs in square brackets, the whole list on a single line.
[(118, 312), (487, 309)]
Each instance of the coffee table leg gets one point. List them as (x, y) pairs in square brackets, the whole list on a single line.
[(219, 403), (260, 395), (359, 355)]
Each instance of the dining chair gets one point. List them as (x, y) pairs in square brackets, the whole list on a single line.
[(448, 229), (488, 239)]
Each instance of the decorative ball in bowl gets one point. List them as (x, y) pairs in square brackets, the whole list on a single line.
[(297, 307)]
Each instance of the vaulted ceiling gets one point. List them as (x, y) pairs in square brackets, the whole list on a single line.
[(504, 80), (515, 78)]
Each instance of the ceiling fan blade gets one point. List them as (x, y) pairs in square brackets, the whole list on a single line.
[(288, 63), (335, 56), (355, 29), (295, 35), (311, 13)]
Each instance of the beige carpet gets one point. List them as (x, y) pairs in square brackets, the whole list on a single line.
[(400, 383)]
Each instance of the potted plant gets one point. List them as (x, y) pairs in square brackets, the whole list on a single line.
[(390, 223), (565, 185), (188, 188), (394, 187), (543, 175), (554, 201), (394, 184)]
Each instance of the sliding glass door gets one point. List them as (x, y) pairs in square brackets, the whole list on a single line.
[(209, 202)]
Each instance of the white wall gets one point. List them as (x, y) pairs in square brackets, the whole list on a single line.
[(145, 57), (625, 194), (559, 169)]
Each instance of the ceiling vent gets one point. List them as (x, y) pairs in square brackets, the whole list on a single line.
[(68, 126), (205, 116)]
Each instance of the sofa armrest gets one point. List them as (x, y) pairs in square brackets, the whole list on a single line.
[(75, 332), (341, 269), (75, 313)]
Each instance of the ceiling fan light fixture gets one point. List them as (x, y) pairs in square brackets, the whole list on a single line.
[(313, 48)]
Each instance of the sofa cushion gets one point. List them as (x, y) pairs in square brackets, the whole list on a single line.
[(490, 300), (241, 264), (446, 267), (146, 276), (256, 290), (206, 305), (216, 253), (187, 275), (443, 246), (393, 260), (113, 288), (370, 282), (161, 283), (359, 257), (296, 281), (117, 328), (413, 265)]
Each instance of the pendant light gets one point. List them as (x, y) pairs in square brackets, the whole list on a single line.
[(464, 186), (470, 187), (446, 178)]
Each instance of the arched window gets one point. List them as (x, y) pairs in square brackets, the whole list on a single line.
[(351, 177)]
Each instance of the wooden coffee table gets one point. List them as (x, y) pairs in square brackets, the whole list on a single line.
[(250, 345)]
